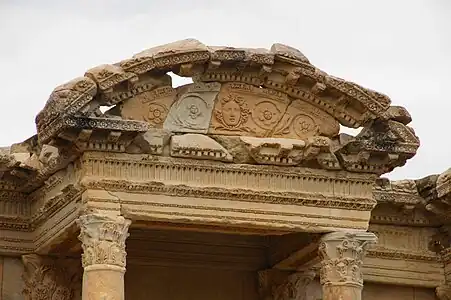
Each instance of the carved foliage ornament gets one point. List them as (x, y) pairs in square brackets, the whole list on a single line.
[(280, 285), (342, 257), (103, 239), (50, 279)]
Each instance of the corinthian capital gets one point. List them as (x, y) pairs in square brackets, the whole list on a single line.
[(443, 292), (342, 257), (282, 285), (103, 239), (50, 278)]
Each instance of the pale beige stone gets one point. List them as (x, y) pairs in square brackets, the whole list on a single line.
[(48, 153), (243, 109), (198, 146), (191, 112), (242, 171), (151, 106), (13, 283), (275, 151), (342, 256), (302, 120), (152, 142)]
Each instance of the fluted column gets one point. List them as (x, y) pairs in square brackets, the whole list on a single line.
[(103, 242), (341, 266)]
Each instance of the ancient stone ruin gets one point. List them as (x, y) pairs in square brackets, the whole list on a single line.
[(239, 185)]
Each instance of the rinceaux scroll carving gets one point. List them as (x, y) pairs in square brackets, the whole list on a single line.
[(342, 257), (103, 239), (47, 278)]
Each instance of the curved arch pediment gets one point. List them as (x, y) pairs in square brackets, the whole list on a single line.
[(282, 70), (236, 92)]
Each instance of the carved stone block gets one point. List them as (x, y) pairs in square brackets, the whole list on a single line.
[(243, 109), (103, 239), (169, 55), (303, 120), (275, 151), (342, 256), (107, 76), (151, 142), (198, 146), (191, 112), (288, 53), (151, 106), (49, 278)]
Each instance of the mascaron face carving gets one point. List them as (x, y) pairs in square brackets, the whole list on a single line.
[(233, 112)]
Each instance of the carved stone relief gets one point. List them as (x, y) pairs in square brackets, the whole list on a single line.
[(243, 109), (48, 278), (282, 285), (192, 110), (151, 106), (443, 292), (103, 239), (342, 256), (303, 120)]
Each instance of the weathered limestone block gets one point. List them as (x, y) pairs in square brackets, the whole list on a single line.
[(288, 53), (48, 153), (443, 292), (151, 142), (275, 151), (168, 55), (151, 106), (50, 278), (443, 185), (107, 76), (243, 109), (235, 147), (67, 99), (398, 114), (121, 92), (342, 256), (282, 285), (191, 112), (104, 256), (219, 55), (198, 146), (380, 147), (303, 120)]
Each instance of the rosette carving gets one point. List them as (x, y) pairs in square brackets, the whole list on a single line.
[(342, 257), (103, 239)]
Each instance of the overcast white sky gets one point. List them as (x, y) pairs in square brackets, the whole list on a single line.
[(400, 48)]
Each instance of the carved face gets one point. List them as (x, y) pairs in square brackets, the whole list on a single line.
[(231, 112)]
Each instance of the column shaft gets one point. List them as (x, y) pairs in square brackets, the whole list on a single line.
[(104, 256)]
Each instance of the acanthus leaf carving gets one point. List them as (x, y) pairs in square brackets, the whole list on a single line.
[(342, 256), (282, 285), (48, 278), (103, 239)]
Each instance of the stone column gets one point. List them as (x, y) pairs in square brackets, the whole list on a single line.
[(51, 278), (341, 256), (444, 291), (103, 242), (283, 285)]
